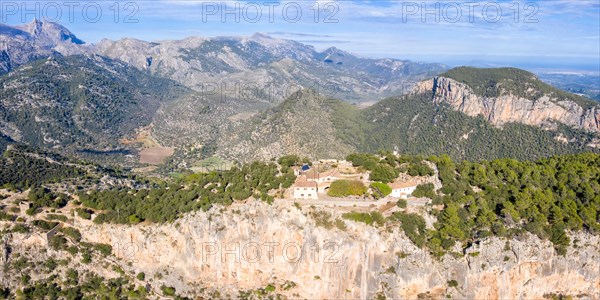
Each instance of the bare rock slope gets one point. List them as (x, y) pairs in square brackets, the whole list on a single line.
[(253, 245), (518, 98)]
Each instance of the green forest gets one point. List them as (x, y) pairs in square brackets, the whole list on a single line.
[(548, 197), (193, 192), (414, 125), (20, 169)]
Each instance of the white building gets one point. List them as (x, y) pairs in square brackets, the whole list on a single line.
[(403, 189), (305, 190)]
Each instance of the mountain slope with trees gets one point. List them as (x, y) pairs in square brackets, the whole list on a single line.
[(304, 124), (80, 103), (418, 124)]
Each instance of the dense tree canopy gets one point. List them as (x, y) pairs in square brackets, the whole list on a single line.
[(506, 197), (195, 192)]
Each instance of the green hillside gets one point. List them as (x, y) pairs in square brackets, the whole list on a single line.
[(413, 124), (328, 128), (80, 103)]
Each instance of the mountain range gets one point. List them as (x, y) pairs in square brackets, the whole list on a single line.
[(259, 97)]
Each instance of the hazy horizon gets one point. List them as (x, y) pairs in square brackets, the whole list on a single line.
[(535, 35)]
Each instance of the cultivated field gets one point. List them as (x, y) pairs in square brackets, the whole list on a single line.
[(155, 155)]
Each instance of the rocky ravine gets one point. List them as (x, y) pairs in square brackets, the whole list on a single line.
[(218, 250), (509, 108)]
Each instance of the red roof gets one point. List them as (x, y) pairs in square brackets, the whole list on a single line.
[(401, 185), (313, 174), (305, 184)]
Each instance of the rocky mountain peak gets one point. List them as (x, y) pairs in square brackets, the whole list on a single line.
[(337, 51), (35, 27), (49, 33), (269, 41), (260, 35), (39, 38)]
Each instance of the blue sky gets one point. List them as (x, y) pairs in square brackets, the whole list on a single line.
[(554, 34)]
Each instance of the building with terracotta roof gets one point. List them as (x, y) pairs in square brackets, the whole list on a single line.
[(321, 177), (305, 189), (403, 189)]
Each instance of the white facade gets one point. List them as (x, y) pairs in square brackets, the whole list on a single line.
[(403, 192), (301, 192)]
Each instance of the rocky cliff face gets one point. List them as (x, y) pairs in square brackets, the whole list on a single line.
[(249, 246), (505, 108)]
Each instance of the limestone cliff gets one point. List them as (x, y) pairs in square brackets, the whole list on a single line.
[(249, 246), (533, 108)]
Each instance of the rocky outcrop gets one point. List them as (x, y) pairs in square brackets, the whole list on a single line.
[(506, 108), (249, 246), (38, 39)]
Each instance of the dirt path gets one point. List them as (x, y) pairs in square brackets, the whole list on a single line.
[(321, 202)]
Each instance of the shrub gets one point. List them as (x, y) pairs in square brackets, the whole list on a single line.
[(86, 257), (373, 218), (133, 219), (340, 224), (344, 188), (401, 203), (419, 169), (43, 224), (322, 219), (168, 290), (141, 276), (7, 217), (452, 283), (84, 213), (104, 249), (25, 279), (53, 217), (72, 232), (270, 288), (424, 190), (72, 250), (33, 210), (57, 242), (20, 228), (414, 227), (380, 189)]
